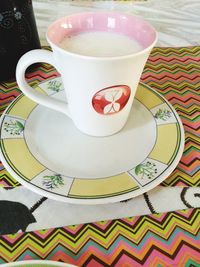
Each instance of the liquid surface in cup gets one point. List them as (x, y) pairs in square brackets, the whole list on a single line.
[(100, 44)]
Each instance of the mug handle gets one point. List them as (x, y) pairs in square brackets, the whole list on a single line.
[(31, 57)]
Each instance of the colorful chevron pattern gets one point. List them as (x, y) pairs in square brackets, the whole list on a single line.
[(169, 239), (175, 73)]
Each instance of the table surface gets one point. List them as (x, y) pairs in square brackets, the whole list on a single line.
[(177, 21), (163, 239)]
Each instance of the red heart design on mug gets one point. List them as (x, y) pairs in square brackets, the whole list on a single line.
[(111, 100)]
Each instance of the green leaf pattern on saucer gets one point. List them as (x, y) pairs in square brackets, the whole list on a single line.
[(163, 114), (54, 85), (146, 170), (13, 127), (53, 181)]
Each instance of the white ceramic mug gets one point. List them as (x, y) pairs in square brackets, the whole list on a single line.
[(90, 80)]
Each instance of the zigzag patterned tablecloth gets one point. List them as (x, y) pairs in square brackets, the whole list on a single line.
[(165, 239)]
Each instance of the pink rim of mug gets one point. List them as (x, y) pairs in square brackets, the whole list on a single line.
[(121, 23)]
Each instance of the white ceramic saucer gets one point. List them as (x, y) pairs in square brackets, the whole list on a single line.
[(37, 263), (44, 151)]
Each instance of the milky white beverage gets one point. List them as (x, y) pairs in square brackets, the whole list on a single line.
[(100, 44)]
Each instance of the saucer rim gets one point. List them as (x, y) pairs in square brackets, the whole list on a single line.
[(107, 199), (38, 263)]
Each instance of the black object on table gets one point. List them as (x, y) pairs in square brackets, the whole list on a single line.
[(18, 34)]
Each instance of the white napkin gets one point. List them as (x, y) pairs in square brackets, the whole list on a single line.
[(43, 213)]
